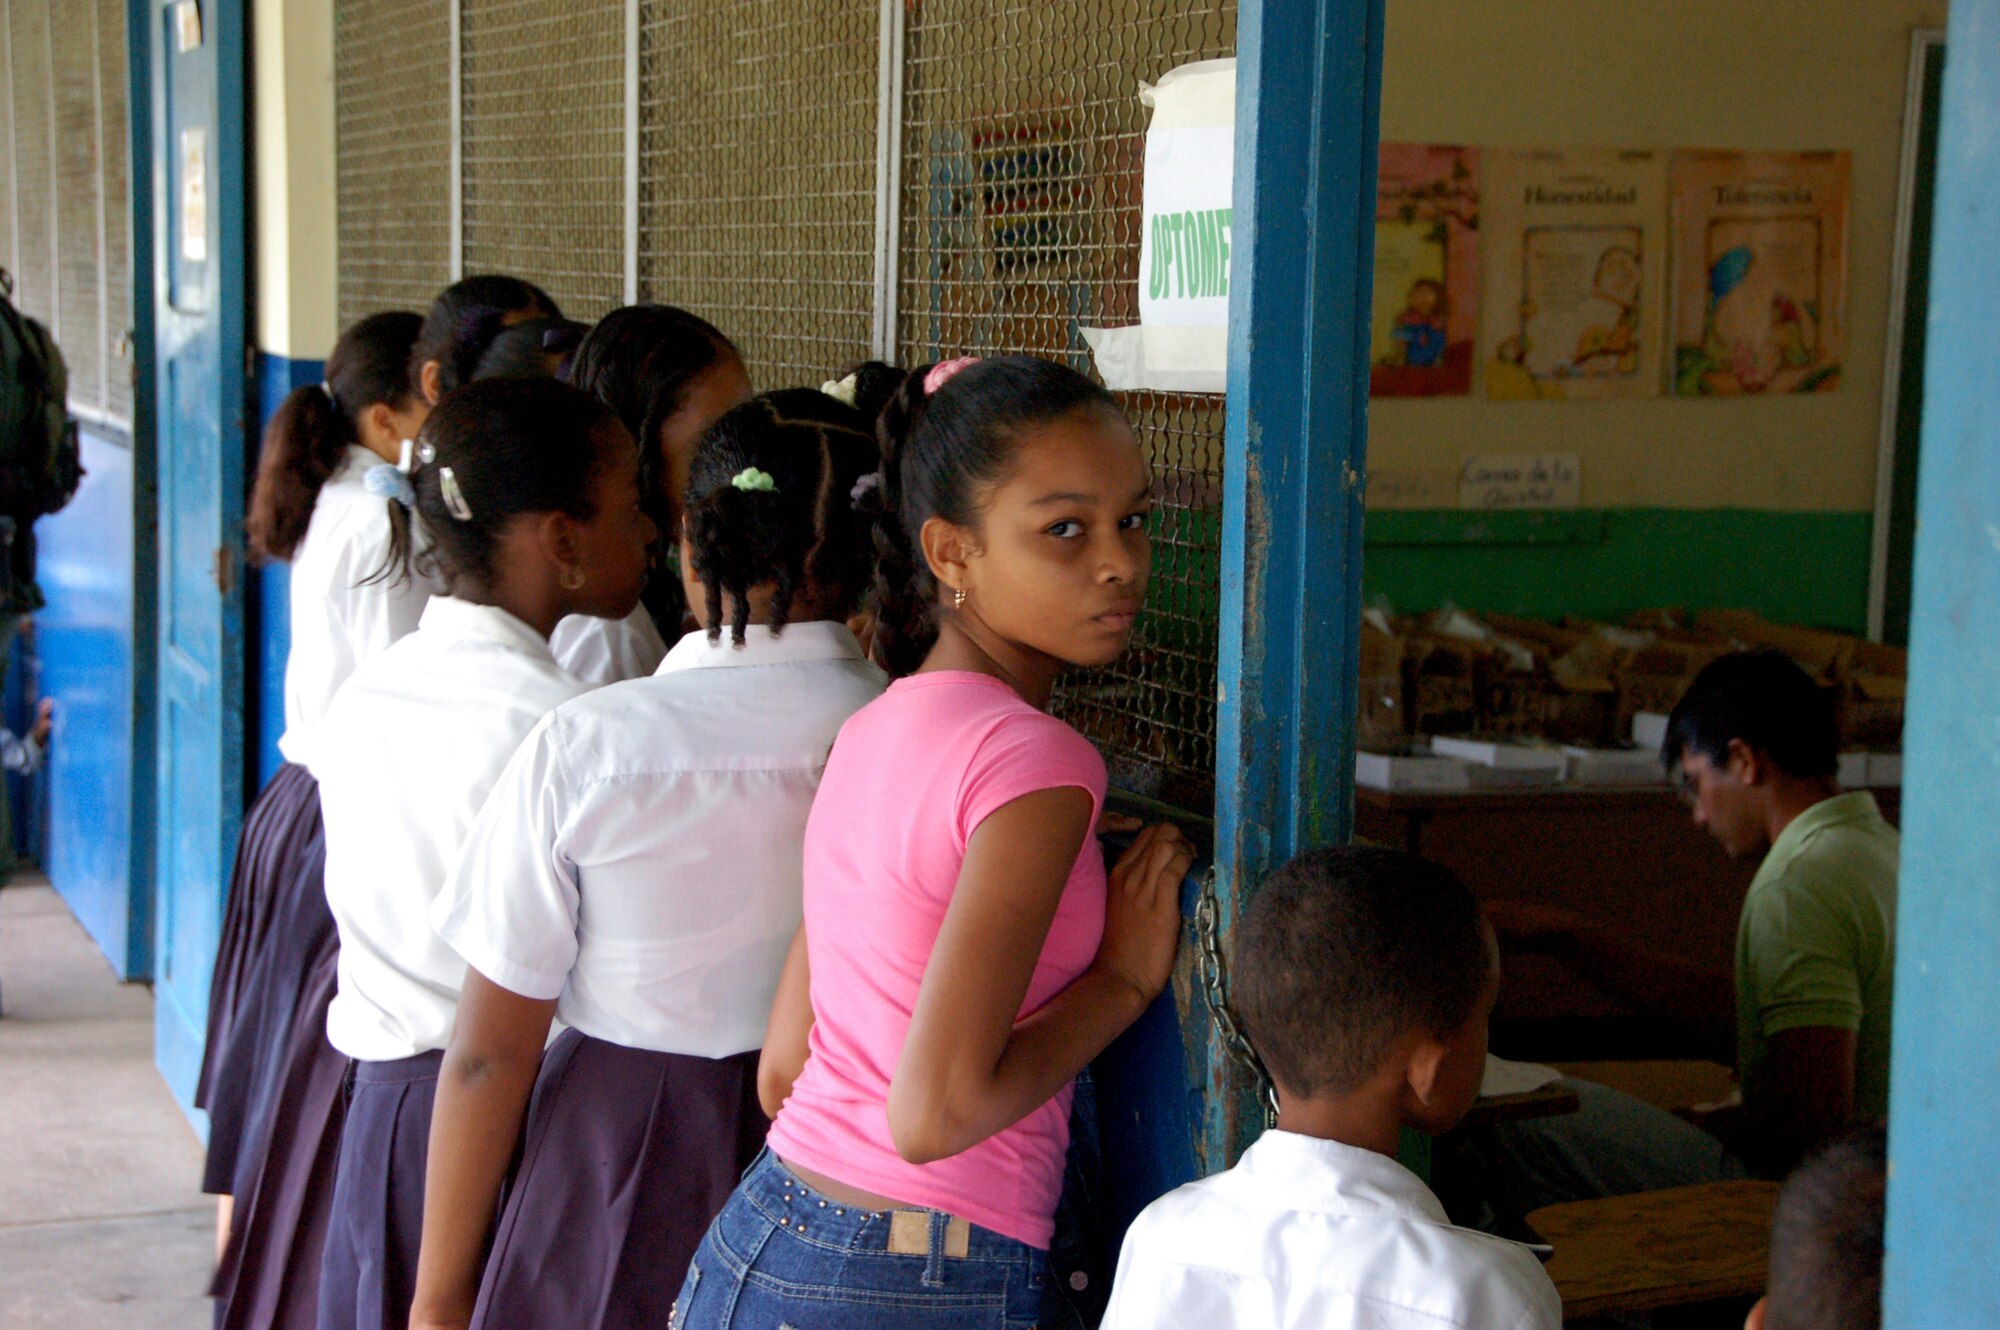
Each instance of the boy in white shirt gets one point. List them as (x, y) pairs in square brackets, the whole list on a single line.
[(1365, 978)]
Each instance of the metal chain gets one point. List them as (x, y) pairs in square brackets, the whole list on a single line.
[(1215, 992)]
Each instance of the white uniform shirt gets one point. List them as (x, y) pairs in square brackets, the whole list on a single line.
[(405, 758), (1306, 1234), (641, 859), (602, 651), (337, 622)]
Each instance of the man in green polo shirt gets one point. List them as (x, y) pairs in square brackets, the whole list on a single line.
[(1754, 748)]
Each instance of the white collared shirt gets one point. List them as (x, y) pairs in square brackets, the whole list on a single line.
[(339, 618), (641, 859), (405, 758), (1307, 1234), (602, 651)]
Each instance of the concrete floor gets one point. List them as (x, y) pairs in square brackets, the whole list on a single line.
[(102, 1222)]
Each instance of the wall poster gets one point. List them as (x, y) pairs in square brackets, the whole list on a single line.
[(1426, 271), (1575, 272), (1760, 271)]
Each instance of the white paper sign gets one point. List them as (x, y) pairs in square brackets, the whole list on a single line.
[(1181, 343), (194, 195), (1500, 482)]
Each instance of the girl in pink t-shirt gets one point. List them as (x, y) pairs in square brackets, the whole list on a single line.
[(964, 952)]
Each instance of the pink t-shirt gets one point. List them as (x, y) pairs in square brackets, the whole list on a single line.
[(912, 775)]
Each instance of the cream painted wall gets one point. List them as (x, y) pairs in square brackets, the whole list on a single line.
[(297, 311), (1771, 74)]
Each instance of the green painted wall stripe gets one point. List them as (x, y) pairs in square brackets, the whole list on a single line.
[(1808, 568)]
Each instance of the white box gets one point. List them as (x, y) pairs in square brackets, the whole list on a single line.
[(1402, 772), (1649, 730), (1511, 778), (1504, 755), (1885, 770), (1853, 771), (1614, 766)]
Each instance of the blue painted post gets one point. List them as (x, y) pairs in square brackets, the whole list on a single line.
[(1308, 94), (1944, 1204)]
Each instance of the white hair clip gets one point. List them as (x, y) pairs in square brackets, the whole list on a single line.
[(453, 496), (842, 390), (864, 487)]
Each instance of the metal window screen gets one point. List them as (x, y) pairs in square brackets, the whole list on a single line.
[(392, 91), (73, 45), (758, 163), (34, 175), (115, 159), (544, 146), (1023, 151)]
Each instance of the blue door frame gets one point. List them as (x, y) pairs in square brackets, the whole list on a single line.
[(200, 301), (1308, 98), (1944, 1206)]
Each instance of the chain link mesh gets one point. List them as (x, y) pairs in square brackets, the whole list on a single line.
[(758, 170), (1024, 148), (392, 93), (544, 146), (115, 159), (73, 53), (34, 284)]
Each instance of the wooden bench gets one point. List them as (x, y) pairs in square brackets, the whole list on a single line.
[(1630, 1254)]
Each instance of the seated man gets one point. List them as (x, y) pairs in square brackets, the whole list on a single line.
[(1753, 746), (1826, 1240), (1365, 978)]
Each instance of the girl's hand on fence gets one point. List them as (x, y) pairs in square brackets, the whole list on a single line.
[(1142, 913)]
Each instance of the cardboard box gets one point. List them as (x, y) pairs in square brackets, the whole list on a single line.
[(1383, 719), (1441, 683)]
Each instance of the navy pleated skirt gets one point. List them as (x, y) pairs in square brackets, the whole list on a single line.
[(275, 924), (268, 1278), (368, 1275), (626, 1158)]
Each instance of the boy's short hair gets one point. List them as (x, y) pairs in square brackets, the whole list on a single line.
[(1764, 699), (1343, 951), (1826, 1238)]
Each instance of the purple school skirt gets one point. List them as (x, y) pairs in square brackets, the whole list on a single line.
[(275, 924), (627, 1156), (268, 1278), (368, 1276)]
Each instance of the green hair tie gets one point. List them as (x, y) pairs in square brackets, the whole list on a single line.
[(752, 481)]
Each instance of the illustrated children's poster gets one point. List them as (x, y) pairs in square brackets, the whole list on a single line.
[(1426, 271), (1760, 271), (1575, 300)]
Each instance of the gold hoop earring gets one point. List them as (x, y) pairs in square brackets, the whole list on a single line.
[(958, 598), (571, 579)]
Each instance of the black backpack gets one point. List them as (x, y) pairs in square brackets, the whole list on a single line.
[(40, 463)]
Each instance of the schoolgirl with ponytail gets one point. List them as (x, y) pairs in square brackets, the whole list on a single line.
[(636, 872), (964, 953), (268, 1081), (669, 375), (522, 503)]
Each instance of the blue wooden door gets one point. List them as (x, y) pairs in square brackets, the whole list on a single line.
[(199, 301)]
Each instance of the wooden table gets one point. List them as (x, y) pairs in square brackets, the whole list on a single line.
[(1551, 1101), (1632, 1254)]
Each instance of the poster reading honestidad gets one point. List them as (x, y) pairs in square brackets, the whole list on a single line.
[(1760, 272), (1575, 272)]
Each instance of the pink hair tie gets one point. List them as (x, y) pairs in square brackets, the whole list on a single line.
[(944, 371)]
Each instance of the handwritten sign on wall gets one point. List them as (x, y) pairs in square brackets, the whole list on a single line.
[(1501, 482)]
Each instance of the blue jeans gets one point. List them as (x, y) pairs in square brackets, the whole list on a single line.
[(782, 1255)]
